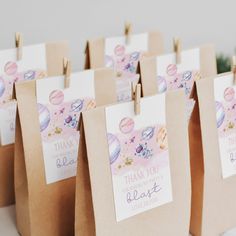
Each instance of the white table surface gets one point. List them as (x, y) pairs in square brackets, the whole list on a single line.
[(8, 228)]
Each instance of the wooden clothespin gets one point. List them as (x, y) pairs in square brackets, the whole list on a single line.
[(233, 68), (177, 50), (136, 96), (67, 71), (19, 44), (128, 31)]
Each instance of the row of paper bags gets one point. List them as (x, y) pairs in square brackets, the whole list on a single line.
[(161, 164)]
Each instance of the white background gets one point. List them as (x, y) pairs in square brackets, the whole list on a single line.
[(196, 22)]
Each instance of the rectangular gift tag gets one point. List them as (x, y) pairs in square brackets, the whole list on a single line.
[(7, 122), (139, 156), (224, 93), (123, 58), (172, 76), (59, 113), (32, 65), (114, 46), (162, 73)]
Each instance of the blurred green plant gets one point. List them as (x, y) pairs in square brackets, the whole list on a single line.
[(223, 63)]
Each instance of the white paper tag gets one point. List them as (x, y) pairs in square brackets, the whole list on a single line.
[(59, 112), (32, 65), (123, 58), (139, 157), (171, 76), (225, 105), (33, 57), (7, 122), (138, 42)]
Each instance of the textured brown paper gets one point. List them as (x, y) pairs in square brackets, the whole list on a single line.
[(95, 50), (54, 52), (213, 196), (45, 209), (95, 209)]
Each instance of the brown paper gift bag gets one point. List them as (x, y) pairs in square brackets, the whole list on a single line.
[(214, 207), (45, 209), (95, 212), (149, 85), (95, 49), (122, 54), (55, 52)]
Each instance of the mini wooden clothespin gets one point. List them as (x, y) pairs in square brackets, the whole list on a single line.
[(177, 50), (233, 68), (66, 71), (128, 31), (19, 44), (136, 96)]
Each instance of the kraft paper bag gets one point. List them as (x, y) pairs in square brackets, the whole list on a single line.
[(214, 167), (123, 57), (44, 178), (102, 206), (54, 52), (160, 74)]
